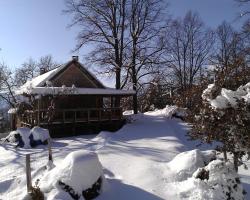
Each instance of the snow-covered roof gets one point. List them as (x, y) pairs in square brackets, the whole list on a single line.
[(37, 85), (39, 81), (73, 91)]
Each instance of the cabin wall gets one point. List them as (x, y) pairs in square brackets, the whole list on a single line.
[(77, 101), (71, 102)]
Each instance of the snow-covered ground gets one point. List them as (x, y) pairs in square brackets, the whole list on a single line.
[(136, 160)]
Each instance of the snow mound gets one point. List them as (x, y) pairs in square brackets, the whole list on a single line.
[(80, 170), (128, 112), (12, 137), (186, 163), (168, 112), (40, 133), (217, 181), (25, 135), (27, 138)]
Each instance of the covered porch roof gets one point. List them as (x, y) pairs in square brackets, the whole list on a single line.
[(74, 91)]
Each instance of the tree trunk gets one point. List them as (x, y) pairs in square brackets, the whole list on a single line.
[(135, 104), (236, 162), (118, 78), (225, 155), (134, 80)]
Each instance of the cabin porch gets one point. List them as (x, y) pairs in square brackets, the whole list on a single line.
[(77, 121), (74, 115)]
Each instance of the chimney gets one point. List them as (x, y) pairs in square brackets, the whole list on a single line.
[(75, 58), (42, 70)]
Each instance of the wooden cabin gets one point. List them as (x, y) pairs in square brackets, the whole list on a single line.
[(70, 100)]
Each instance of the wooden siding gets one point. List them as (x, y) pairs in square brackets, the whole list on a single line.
[(73, 75), (72, 102)]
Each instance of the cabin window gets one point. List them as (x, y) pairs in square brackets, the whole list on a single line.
[(106, 102)]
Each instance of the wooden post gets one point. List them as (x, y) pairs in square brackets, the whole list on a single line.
[(63, 116), (110, 115), (112, 102), (50, 150), (38, 113), (120, 113), (28, 173), (75, 116), (12, 122), (100, 115), (88, 116), (74, 122)]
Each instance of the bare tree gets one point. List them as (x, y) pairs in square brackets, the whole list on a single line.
[(230, 57), (146, 23), (103, 23), (32, 68), (242, 4), (125, 34), (47, 63), (189, 46), (7, 86), (27, 71)]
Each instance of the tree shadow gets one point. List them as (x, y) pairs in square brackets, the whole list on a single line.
[(115, 189), (245, 181)]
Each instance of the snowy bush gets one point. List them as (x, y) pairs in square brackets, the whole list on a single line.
[(78, 176), (225, 117), (217, 181), (200, 175)]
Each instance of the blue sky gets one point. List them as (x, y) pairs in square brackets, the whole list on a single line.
[(34, 28)]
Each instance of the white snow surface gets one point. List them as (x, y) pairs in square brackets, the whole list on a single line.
[(140, 161)]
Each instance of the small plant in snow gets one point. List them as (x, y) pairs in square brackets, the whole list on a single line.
[(36, 193)]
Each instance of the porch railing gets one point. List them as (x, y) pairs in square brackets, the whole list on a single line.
[(64, 116)]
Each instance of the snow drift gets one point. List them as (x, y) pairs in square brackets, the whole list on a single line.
[(186, 163)]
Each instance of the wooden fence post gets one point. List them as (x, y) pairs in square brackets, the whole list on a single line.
[(50, 151), (28, 173)]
